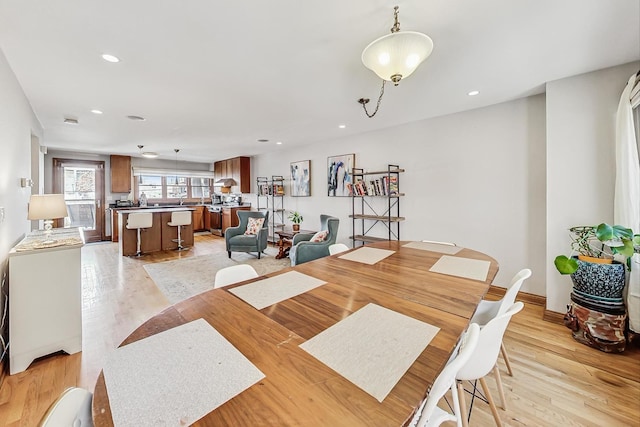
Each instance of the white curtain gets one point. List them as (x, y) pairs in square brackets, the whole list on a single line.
[(627, 192)]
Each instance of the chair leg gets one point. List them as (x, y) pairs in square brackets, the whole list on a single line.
[(229, 252), (258, 254), (463, 405), (456, 404), (492, 405), (138, 247), (500, 389), (505, 356)]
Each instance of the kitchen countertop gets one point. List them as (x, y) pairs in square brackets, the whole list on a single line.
[(153, 209)]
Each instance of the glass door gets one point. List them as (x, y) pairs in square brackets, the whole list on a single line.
[(82, 183)]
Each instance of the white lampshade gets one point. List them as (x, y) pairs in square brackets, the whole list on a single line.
[(397, 55), (47, 206)]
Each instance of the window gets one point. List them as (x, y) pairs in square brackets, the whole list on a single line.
[(158, 188)]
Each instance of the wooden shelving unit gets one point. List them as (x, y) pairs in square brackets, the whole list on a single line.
[(375, 201)]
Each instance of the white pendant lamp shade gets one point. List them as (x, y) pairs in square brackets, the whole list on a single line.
[(397, 55)]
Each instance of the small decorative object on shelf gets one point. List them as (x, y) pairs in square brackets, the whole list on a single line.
[(271, 198), (296, 219), (375, 200)]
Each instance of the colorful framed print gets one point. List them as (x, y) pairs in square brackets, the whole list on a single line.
[(301, 178), (339, 179)]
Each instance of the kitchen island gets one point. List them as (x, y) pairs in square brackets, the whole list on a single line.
[(157, 238)]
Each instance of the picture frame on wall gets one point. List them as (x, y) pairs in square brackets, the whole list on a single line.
[(339, 178), (300, 174)]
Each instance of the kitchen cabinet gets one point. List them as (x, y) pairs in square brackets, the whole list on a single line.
[(238, 168), (45, 297), (230, 216), (197, 218), (120, 174), (206, 219)]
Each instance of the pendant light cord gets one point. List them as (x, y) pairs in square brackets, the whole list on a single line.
[(364, 102)]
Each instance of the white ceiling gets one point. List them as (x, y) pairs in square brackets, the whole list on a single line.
[(212, 77)]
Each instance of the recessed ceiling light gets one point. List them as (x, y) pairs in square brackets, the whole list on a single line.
[(136, 118), (279, 143), (342, 126), (263, 140), (96, 111), (150, 154), (473, 93), (110, 58)]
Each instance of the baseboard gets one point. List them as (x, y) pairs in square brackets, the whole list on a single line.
[(553, 317), (522, 296)]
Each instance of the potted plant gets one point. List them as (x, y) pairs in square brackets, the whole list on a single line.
[(599, 244), (594, 271), (597, 313), (296, 219)]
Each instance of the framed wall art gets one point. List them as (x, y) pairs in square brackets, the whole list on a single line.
[(339, 179), (300, 178)]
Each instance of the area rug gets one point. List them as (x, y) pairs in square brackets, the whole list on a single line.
[(183, 278)]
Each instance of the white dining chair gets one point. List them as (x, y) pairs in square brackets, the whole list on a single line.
[(429, 414), (439, 243), (71, 408), (488, 310), (483, 361), (233, 274), (336, 248)]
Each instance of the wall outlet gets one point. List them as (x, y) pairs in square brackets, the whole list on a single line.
[(1, 215)]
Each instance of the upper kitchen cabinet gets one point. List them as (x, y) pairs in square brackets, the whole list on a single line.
[(238, 168), (120, 174)]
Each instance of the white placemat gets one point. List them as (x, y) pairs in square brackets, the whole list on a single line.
[(175, 377), (367, 255), (272, 290), (462, 267), (434, 247), (372, 348)]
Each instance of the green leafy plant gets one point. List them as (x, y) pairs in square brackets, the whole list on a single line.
[(295, 217), (601, 241)]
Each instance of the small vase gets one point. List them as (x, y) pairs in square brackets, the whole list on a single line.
[(296, 227)]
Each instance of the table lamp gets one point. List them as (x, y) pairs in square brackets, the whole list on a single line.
[(47, 207)]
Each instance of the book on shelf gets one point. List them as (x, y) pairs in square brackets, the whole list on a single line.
[(278, 190), (393, 185)]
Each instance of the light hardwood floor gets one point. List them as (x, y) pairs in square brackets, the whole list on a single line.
[(556, 381)]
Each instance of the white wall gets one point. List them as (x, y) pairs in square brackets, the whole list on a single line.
[(580, 162), (17, 125), (476, 178)]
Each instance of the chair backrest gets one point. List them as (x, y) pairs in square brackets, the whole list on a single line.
[(336, 248), (233, 274), (243, 217), (486, 354), (328, 222), (447, 377), (439, 243), (180, 218), (72, 408), (512, 292), (140, 220)]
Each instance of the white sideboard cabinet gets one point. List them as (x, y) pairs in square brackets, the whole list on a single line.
[(45, 297)]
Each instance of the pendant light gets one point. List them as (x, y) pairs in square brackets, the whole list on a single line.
[(395, 57)]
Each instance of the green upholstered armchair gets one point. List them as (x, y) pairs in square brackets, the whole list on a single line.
[(302, 250), (237, 241)]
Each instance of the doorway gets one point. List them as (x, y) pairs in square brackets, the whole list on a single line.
[(82, 183)]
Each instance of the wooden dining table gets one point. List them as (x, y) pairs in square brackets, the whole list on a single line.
[(298, 389)]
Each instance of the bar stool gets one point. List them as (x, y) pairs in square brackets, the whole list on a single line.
[(137, 221), (178, 219)]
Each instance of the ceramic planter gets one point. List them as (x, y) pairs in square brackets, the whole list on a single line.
[(599, 280)]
